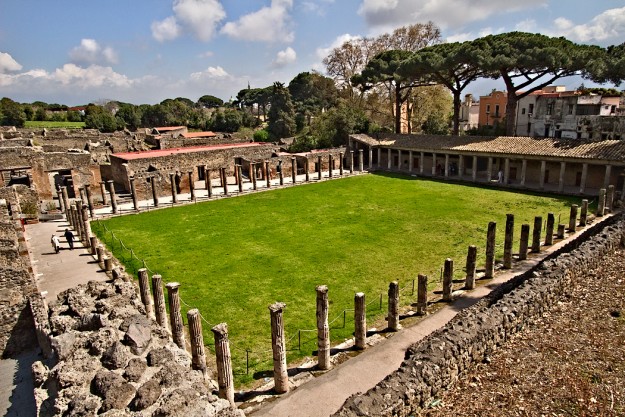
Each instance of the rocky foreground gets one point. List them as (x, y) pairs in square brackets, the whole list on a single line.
[(569, 362)]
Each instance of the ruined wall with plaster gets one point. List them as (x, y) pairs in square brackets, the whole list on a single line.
[(436, 362)]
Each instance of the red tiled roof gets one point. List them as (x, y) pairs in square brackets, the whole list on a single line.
[(192, 135), (191, 149), (168, 128)]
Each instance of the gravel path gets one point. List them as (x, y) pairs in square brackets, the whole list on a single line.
[(570, 362)]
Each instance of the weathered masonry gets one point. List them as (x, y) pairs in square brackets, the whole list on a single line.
[(555, 165)]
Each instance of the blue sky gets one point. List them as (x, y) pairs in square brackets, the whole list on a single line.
[(143, 51)]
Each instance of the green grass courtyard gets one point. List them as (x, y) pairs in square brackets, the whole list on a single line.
[(235, 256)]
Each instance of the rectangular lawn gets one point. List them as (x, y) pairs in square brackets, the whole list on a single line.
[(235, 256)]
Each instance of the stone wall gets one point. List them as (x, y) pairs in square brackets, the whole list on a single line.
[(17, 284), (436, 362), (110, 359)]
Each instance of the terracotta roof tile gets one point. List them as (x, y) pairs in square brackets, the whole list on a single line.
[(610, 150)]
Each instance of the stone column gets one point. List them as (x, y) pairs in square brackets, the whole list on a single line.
[(490, 250), (446, 169), (198, 355), (93, 244), (86, 226), (489, 174), (133, 192), (379, 157), (422, 295), (608, 174), (108, 264), (474, 170), (103, 192), (144, 291), (267, 174), (100, 256), (561, 177), (508, 238), (253, 175), (293, 170), (538, 224), (278, 346), (361, 161), (469, 282), (609, 199), (582, 184), (225, 379), (154, 192), (306, 166), (573, 218), (351, 162), (460, 166), (323, 329), (224, 180), (330, 165), (543, 169), (90, 200), (240, 177), (584, 213), (160, 312), (523, 172), (341, 156), (551, 220), (113, 196), (83, 194), (175, 317), (506, 170), (525, 237), (393, 307), (174, 194), (421, 162), (370, 157), (59, 195), (434, 164), (399, 164), (66, 202), (319, 162), (191, 185), (410, 162), (448, 277), (601, 203), (560, 233), (207, 181), (389, 162), (360, 321)]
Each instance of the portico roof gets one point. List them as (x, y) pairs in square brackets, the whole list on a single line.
[(607, 150)]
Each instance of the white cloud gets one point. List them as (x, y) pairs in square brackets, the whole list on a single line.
[(450, 13), (198, 17), (90, 52), (166, 29), (286, 57), (206, 54), (210, 73), (269, 24), (90, 77), (606, 27), (8, 64)]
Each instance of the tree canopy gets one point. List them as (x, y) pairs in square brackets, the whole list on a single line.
[(281, 113)]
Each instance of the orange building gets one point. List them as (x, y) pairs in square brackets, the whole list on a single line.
[(493, 108)]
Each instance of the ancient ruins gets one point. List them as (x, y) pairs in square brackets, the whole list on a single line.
[(110, 347)]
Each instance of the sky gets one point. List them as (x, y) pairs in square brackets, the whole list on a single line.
[(75, 52)]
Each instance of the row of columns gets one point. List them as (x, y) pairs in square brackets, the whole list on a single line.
[(489, 172)]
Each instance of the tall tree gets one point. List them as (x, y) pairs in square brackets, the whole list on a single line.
[(281, 123), (312, 93), (11, 113), (528, 62), (352, 56), (209, 101), (453, 65), (383, 68)]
